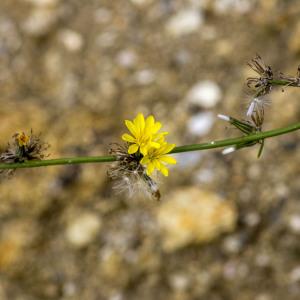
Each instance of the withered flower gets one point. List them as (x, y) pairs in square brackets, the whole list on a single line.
[(129, 175), (24, 148), (260, 84), (291, 80)]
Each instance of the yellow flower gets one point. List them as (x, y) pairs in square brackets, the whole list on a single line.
[(157, 158), (22, 139), (144, 134)]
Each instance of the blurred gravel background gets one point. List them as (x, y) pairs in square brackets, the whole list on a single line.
[(226, 228)]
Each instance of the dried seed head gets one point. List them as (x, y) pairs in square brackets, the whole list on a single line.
[(23, 148), (257, 104), (129, 175), (260, 84), (291, 80), (257, 118)]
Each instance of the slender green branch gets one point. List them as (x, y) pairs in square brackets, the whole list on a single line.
[(185, 148), (284, 82)]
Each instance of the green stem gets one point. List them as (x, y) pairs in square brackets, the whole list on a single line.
[(283, 82), (185, 148)]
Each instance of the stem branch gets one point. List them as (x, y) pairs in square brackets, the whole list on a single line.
[(185, 148)]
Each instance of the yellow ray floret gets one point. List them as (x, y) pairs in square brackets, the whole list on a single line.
[(22, 139), (144, 134), (157, 158)]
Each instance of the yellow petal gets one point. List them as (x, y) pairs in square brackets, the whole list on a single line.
[(168, 159), (156, 127), (168, 148), (149, 122), (128, 138), (131, 127), (157, 164), (155, 145), (139, 122), (133, 148), (145, 160), (164, 170), (150, 168), (144, 149)]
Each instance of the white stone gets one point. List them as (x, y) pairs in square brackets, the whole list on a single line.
[(204, 94), (126, 58), (200, 124), (232, 244), (179, 282), (294, 223), (40, 22), (238, 6), (72, 40), (145, 77), (184, 22), (83, 230), (141, 2), (43, 3), (295, 274)]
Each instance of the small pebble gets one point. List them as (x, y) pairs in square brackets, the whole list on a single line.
[(40, 22), (200, 124), (205, 94), (294, 223), (127, 58), (145, 77), (295, 274), (72, 40), (184, 22), (83, 230)]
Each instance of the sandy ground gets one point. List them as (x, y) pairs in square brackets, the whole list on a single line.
[(227, 227)]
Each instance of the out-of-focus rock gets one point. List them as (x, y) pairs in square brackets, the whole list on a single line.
[(102, 15), (83, 230), (145, 77), (106, 39), (40, 22), (232, 244), (294, 223), (295, 274), (184, 22), (113, 266), (237, 6), (193, 216), (294, 41), (15, 236), (9, 37), (127, 58), (141, 2), (204, 175), (44, 3), (72, 40), (200, 124), (205, 94), (188, 159)]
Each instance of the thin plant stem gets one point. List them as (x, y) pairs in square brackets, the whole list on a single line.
[(186, 148), (283, 82)]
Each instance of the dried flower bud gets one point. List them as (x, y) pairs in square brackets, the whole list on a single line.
[(260, 84), (129, 175), (24, 148)]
